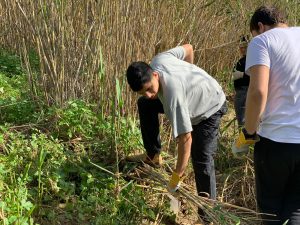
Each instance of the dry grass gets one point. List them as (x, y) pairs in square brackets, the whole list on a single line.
[(235, 176), (84, 46)]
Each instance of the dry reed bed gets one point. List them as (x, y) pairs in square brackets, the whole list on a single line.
[(84, 46)]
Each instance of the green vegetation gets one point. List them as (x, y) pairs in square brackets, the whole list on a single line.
[(10, 64), (63, 163), (50, 159)]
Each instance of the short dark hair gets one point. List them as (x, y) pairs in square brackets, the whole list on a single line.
[(267, 15), (138, 73)]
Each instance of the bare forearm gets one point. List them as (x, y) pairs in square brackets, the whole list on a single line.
[(184, 151), (256, 97), (189, 58), (189, 53), (254, 109)]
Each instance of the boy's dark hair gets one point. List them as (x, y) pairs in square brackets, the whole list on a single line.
[(267, 15), (138, 73)]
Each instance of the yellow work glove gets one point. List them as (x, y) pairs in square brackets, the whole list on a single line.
[(241, 145), (174, 182)]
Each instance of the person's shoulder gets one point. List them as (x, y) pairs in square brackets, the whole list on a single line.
[(294, 28), (164, 57), (161, 55), (278, 32), (176, 52), (157, 60), (283, 29), (292, 31), (274, 36), (259, 41)]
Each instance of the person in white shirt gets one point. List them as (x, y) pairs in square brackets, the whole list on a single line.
[(273, 111)]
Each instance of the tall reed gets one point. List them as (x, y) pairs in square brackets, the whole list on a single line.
[(74, 39)]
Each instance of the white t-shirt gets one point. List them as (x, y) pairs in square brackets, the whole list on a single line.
[(279, 49)]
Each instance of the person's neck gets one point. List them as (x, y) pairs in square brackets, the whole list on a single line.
[(281, 25)]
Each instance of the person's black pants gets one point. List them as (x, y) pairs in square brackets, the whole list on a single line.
[(148, 113), (240, 104), (277, 176), (204, 146), (204, 143)]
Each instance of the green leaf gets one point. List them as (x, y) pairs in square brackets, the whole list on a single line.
[(12, 219), (26, 204)]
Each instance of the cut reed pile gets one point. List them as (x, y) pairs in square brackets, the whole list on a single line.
[(220, 213)]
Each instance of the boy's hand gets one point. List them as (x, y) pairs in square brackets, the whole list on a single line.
[(237, 75), (241, 145), (174, 182)]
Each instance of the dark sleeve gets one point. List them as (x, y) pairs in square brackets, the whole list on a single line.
[(240, 65)]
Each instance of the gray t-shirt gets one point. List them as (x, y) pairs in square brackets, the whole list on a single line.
[(188, 94)]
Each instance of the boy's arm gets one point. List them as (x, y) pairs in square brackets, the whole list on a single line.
[(184, 152), (256, 97), (189, 53)]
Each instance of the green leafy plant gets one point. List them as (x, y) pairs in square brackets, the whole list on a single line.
[(15, 105), (76, 120), (10, 64)]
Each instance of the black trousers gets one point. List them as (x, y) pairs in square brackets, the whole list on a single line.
[(277, 175), (240, 104), (148, 113), (204, 143)]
